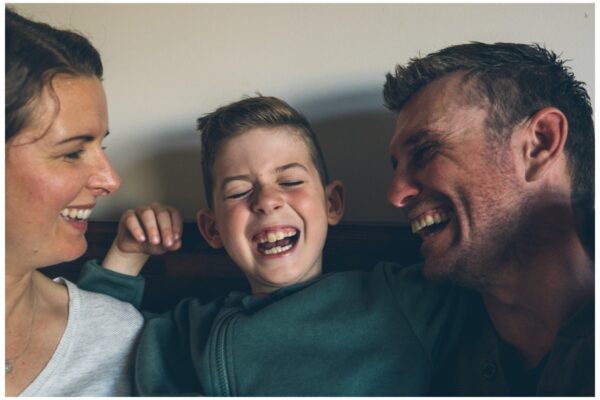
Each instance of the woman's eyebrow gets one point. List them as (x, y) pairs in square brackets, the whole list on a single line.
[(85, 138)]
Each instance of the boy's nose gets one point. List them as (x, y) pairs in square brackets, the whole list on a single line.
[(402, 190), (267, 200)]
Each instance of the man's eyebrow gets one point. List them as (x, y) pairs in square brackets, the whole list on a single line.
[(419, 136)]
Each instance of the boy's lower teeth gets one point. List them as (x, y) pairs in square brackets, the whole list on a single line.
[(277, 249)]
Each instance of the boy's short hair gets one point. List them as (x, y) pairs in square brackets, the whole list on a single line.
[(249, 113)]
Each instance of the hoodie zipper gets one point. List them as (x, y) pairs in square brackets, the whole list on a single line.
[(221, 331)]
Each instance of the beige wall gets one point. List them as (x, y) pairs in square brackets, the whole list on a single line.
[(165, 65)]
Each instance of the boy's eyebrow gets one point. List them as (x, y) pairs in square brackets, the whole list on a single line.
[(291, 165), (228, 179), (280, 169)]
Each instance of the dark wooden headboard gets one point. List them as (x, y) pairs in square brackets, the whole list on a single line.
[(200, 271)]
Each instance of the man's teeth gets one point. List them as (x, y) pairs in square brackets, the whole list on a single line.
[(76, 213), (273, 237), (429, 219)]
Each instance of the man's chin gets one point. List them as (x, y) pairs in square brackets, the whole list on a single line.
[(444, 272)]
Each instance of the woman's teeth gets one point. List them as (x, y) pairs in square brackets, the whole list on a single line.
[(428, 219), (76, 213)]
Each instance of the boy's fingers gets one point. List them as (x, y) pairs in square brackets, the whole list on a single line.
[(148, 220), (177, 223), (163, 216), (133, 225)]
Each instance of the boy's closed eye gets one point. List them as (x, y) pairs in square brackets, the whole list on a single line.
[(238, 194), (291, 182)]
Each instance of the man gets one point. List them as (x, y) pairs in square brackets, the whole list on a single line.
[(493, 153)]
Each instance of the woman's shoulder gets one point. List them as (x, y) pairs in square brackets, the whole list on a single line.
[(101, 311)]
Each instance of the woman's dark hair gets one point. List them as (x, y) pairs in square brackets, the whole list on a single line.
[(35, 54)]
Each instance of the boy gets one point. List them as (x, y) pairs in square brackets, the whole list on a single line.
[(299, 332)]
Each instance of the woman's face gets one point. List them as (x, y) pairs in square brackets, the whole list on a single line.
[(55, 171)]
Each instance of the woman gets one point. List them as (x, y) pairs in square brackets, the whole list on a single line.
[(59, 340)]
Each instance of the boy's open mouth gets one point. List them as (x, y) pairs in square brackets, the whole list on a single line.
[(276, 241)]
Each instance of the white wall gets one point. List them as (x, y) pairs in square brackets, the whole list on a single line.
[(165, 65)]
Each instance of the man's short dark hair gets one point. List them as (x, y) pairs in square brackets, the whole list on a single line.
[(516, 81)]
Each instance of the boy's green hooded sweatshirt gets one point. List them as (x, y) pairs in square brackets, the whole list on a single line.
[(356, 333)]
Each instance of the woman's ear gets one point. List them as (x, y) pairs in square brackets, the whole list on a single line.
[(207, 226), (335, 202), (545, 141)]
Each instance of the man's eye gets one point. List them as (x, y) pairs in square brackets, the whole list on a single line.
[(424, 153), (238, 195)]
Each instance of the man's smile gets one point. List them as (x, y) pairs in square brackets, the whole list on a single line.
[(430, 222)]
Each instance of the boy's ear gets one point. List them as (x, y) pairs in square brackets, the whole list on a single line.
[(335, 202), (207, 226), (546, 134)]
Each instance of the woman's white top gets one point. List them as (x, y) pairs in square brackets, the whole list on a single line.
[(96, 352)]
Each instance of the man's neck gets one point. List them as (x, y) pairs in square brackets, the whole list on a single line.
[(536, 295)]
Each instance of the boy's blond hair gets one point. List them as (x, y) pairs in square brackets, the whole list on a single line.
[(249, 113)]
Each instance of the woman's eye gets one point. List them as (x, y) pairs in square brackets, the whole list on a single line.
[(238, 195), (75, 155)]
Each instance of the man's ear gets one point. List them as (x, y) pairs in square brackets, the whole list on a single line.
[(335, 202), (546, 134), (207, 226)]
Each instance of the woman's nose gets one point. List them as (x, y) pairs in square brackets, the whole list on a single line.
[(104, 180)]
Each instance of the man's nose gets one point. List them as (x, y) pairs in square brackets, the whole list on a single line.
[(403, 189)]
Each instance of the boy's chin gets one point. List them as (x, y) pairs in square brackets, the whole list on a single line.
[(271, 284)]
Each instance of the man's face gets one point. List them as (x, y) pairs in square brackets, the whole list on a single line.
[(459, 191)]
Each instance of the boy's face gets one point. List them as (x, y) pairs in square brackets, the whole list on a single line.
[(271, 210)]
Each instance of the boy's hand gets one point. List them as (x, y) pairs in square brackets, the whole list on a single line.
[(145, 231)]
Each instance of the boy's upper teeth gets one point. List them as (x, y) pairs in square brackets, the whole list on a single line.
[(428, 219), (273, 236), (76, 213)]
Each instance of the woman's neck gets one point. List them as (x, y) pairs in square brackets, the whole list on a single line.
[(18, 292)]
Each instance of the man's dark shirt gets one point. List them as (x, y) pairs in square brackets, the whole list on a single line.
[(484, 365)]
